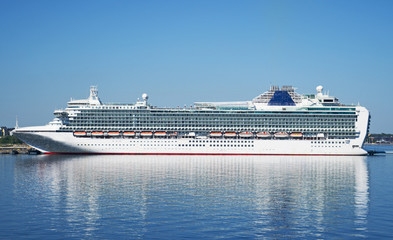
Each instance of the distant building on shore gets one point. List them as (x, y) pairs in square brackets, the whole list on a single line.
[(4, 131), (380, 138)]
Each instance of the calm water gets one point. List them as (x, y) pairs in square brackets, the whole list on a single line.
[(197, 197)]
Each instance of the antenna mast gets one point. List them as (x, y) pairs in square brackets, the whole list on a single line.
[(16, 123)]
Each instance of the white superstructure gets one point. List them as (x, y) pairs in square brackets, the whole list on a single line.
[(279, 121)]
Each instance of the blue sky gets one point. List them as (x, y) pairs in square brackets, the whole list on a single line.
[(180, 52)]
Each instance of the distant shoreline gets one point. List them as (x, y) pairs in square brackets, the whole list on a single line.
[(373, 144)]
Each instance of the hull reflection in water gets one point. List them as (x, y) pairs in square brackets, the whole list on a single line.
[(150, 196)]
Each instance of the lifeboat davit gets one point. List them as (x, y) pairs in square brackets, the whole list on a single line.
[(160, 134), (264, 135), (146, 134), (97, 134), (80, 134), (129, 134), (296, 135), (113, 134), (281, 135), (246, 134), (215, 134), (230, 134)]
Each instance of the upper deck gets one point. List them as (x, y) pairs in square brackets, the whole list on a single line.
[(275, 99)]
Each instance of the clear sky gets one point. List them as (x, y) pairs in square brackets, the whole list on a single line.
[(180, 52)]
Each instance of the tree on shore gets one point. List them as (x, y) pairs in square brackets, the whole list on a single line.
[(10, 140)]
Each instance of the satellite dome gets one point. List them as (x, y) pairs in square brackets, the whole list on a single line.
[(319, 89), (145, 97)]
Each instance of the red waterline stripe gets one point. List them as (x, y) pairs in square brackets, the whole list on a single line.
[(201, 154)]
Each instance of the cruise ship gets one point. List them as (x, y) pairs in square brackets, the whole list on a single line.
[(278, 122)]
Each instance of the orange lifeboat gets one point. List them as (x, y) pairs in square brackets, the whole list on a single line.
[(97, 134), (215, 134), (80, 134), (113, 134), (230, 134), (129, 134), (296, 135), (160, 134), (246, 134), (281, 135), (146, 134), (264, 135)]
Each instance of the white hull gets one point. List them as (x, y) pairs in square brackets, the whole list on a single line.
[(66, 143)]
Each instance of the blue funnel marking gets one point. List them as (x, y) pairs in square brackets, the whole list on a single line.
[(281, 98)]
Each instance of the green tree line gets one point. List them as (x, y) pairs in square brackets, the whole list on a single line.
[(10, 140)]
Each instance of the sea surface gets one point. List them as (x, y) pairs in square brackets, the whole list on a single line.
[(196, 197)]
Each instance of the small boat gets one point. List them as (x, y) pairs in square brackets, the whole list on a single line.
[(97, 134), (113, 134), (79, 134), (174, 134), (160, 134), (215, 134), (281, 135), (264, 135), (146, 134), (246, 134), (296, 135), (230, 134), (129, 134)]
